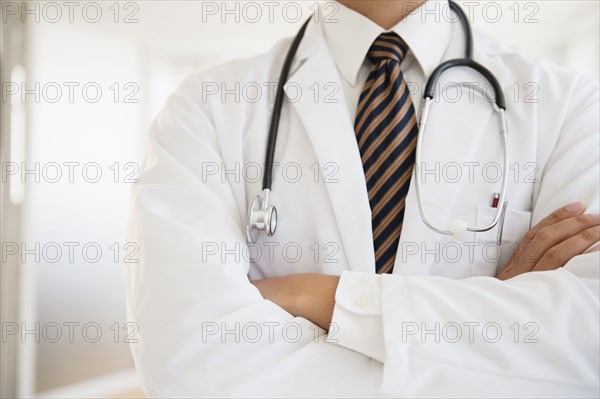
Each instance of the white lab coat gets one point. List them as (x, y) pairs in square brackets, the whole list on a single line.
[(204, 330)]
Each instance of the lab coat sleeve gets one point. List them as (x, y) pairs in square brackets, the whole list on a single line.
[(202, 329), (534, 335)]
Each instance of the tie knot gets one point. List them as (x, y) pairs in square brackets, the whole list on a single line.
[(387, 46)]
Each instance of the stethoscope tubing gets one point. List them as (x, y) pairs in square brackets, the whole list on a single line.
[(263, 216)]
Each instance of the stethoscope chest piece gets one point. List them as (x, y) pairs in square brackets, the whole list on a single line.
[(260, 216)]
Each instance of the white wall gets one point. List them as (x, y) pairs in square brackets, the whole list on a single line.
[(79, 289), (566, 32), (169, 40)]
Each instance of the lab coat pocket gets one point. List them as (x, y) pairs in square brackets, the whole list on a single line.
[(491, 257)]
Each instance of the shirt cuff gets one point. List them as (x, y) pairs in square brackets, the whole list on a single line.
[(356, 321)]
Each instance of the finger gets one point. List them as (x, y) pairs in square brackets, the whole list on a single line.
[(595, 248), (552, 235), (554, 229), (574, 209), (560, 254), (529, 252), (509, 271)]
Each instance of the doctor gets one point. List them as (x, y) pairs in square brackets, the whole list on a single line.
[(354, 295)]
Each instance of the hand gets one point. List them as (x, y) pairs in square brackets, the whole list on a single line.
[(554, 241), (311, 296)]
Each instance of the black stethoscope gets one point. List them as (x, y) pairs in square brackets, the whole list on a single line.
[(263, 216)]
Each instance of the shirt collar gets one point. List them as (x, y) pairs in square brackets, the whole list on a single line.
[(426, 31)]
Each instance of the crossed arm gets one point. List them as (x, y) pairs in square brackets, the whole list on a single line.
[(550, 244)]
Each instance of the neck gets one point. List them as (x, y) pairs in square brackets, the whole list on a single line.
[(385, 13)]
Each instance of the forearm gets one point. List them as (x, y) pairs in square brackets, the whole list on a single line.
[(310, 296)]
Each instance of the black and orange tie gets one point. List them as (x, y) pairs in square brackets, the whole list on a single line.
[(386, 132)]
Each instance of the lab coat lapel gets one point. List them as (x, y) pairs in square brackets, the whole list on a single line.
[(331, 131), (452, 135)]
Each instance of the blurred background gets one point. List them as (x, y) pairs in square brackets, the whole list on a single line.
[(80, 83)]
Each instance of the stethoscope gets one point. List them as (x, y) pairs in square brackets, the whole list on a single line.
[(263, 216)]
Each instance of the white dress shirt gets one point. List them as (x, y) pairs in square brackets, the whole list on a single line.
[(425, 31)]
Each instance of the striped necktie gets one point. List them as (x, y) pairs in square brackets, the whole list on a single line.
[(386, 132)]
